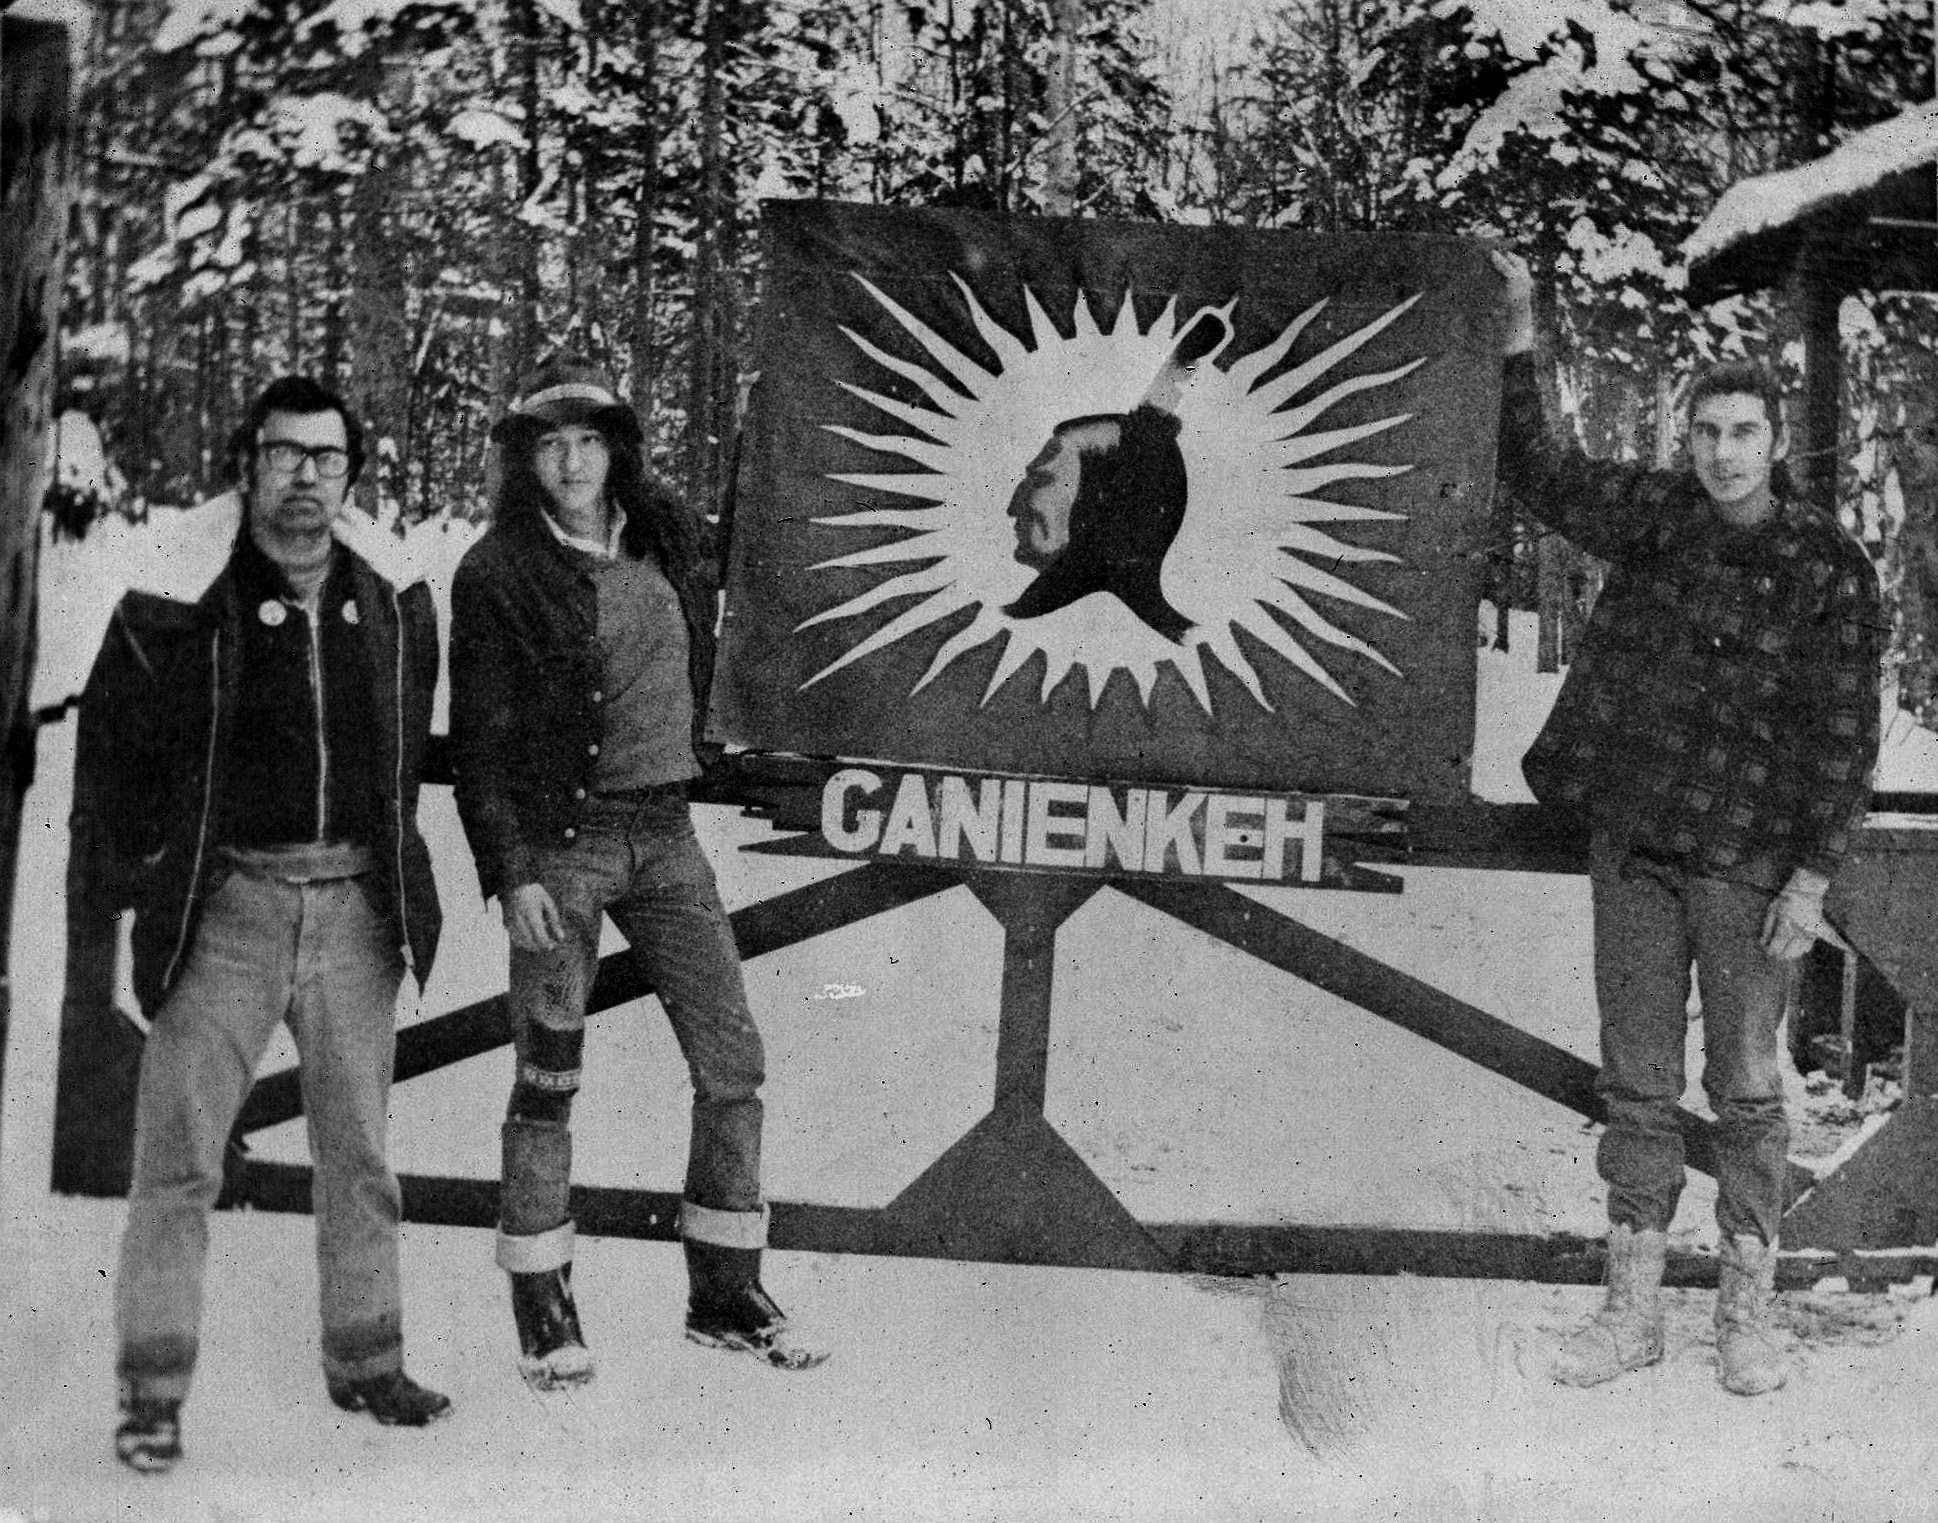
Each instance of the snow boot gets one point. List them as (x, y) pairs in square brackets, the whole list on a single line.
[(149, 1437), (1750, 1360), (727, 1308), (552, 1351), (1626, 1334), (393, 1398)]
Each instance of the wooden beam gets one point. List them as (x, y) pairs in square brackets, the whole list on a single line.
[(1216, 1248), (767, 926), (1496, 1045), (1029, 908)]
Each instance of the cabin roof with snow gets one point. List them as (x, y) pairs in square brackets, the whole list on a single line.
[(1868, 209)]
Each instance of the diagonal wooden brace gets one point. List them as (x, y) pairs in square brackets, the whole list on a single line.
[(1497, 1045)]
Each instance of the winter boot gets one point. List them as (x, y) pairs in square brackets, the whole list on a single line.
[(552, 1351), (393, 1398), (1626, 1333), (149, 1437), (1750, 1359), (727, 1308)]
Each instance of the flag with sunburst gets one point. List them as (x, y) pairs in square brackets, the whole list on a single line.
[(1109, 500)]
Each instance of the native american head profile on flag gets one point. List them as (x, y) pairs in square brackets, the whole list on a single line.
[(1066, 494), (1103, 500)]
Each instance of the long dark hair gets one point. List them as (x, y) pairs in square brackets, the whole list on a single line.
[(657, 522)]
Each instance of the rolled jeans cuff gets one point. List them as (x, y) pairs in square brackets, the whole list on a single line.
[(724, 1229), (536, 1252), (371, 1348)]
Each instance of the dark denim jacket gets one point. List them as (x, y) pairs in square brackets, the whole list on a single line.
[(160, 709), (526, 669)]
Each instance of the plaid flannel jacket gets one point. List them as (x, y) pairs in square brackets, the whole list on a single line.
[(1723, 710)]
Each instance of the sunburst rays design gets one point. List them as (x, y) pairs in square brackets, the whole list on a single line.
[(1257, 535)]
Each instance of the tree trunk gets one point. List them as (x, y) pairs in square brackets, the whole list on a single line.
[(1915, 459), (645, 371), (709, 314), (1817, 294), (1060, 106), (35, 185), (334, 273), (1007, 181), (522, 348), (380, 341)]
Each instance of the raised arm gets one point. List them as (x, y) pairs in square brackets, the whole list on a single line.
[(1611, 509)]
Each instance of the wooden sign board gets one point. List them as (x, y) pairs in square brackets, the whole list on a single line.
[(1095, 500), (1105, 830)]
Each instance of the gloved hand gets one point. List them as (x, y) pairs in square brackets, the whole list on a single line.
[(1795, 919)]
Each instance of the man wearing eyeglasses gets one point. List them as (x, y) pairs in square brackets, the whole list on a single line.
[(247, 771)]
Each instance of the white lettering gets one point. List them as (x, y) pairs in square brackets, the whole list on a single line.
[(1040, 849), (835, 829), (1052, 823), (960, 819), (1310, 833), (1015, 805), (910, 824), (1107, 831), (1221, 836), (1165, 827)]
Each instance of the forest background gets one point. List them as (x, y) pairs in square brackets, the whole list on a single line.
[(417, 198)]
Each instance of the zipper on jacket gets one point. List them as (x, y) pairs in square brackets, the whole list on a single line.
[(314, 618), (208, 798), (397, 780)]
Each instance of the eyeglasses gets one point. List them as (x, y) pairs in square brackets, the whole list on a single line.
[(285, 458)]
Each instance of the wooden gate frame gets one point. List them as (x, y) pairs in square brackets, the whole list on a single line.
[(1012, 1190)]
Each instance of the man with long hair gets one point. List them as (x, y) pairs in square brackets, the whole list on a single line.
[(247, 772), (580, 647)]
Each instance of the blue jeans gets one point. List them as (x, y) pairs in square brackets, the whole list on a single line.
[(636, 859), (1652, 922), (319, 956)]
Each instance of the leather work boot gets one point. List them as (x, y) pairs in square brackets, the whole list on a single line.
[(552, 1351), (393, 1398), (1750, 1359), (1626, 1334), (728, 1309)]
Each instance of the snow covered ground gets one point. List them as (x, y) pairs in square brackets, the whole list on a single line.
[(1199, 1085)]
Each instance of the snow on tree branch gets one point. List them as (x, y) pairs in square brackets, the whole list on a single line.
[(359, 23), (481, 128), (1828, 20), (1576, 47), (198, 21)]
